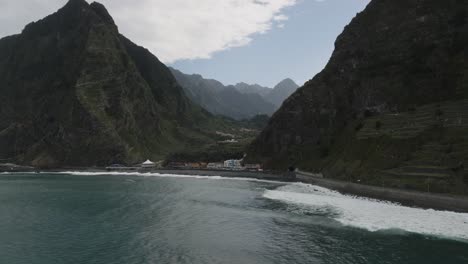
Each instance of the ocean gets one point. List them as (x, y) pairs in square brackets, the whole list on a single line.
[(113, 218)]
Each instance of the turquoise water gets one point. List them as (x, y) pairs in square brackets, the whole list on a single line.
[(63, 218)]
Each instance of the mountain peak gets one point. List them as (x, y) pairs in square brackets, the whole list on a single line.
[(72, 14), (101, 11), (287, 83), (75, 4), (81, 94)]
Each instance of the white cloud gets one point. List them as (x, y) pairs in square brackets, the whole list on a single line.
[(280, 18), (171, 29)]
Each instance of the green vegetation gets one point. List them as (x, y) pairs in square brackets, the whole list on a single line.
[(221, 149), (256, 122), (81, 94), (389, 109)]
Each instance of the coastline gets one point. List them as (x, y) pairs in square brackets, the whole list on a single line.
[(409, 198), (405, 197)]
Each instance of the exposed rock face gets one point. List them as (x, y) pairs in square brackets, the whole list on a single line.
[(389, 107), (223, 100), (76, 92)]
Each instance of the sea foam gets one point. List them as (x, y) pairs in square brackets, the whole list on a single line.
[(374, 215), (165, 175)]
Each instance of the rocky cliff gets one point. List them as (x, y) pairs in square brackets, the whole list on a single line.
[(391, 106), (76, 92)]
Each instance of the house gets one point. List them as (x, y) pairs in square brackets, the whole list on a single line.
[(148, 164), (233, 164), (253, 167), (197, 165), (215, 165)]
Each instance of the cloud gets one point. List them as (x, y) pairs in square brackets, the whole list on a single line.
[(171, 29)]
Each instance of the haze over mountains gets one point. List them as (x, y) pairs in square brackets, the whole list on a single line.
[(76, 92), (240, 101), (391, 106)]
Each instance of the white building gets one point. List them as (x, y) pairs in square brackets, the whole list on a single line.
[(148, 164), (233, 164)]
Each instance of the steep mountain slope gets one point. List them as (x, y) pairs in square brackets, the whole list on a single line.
[(246, 88), (281, 92), (245, 106), (276, 96), (76, 92), (390, 108), (222, 100)]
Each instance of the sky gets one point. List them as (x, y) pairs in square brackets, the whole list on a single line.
[(252, 41)]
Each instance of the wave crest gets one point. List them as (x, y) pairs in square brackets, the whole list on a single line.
[(374, 215)]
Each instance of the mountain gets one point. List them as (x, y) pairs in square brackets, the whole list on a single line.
[(252, 89), (75, 92), (281, 92), (391, 106), (276, 96), (222, 100), (241, 101)]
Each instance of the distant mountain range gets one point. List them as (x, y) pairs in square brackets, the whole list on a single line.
[(241, 101), (75, 92)]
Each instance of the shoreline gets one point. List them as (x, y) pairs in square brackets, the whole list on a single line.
[(408, 198), (442, 202), (404, 197)]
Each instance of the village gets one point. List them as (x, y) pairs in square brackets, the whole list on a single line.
[(227, 165), (232, 165)]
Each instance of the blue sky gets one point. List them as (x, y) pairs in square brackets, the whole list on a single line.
[(253, 41), (299, 50)]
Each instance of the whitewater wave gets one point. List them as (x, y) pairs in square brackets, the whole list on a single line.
[(374, 215), (164, 175)]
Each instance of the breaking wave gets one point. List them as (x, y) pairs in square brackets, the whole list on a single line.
[(374, 215), (164, 175)]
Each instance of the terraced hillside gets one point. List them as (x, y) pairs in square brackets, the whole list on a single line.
[(390, 108), (433, 164)]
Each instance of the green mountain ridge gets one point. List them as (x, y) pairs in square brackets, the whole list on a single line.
[(241, 101), (390, 107), (75, 92), (222, 100)]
